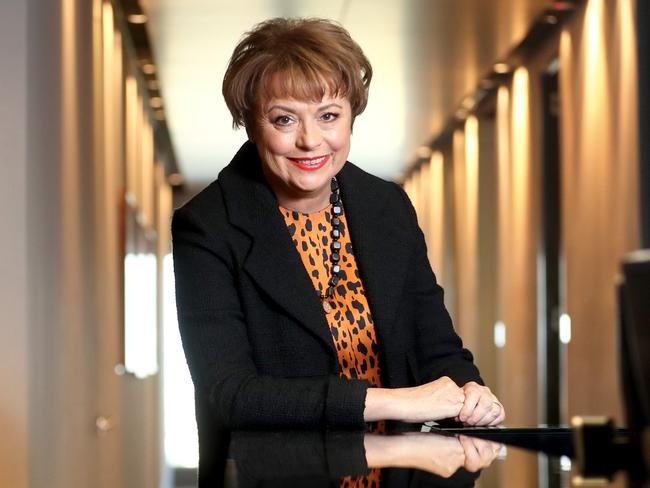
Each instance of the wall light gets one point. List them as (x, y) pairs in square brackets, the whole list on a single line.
[(137, 18), (565, 463), (500, 334), (565, 328)]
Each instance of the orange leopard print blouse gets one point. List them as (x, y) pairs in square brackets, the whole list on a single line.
[(350, 321)]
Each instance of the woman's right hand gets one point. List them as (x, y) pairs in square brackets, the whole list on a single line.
[(439, 399)]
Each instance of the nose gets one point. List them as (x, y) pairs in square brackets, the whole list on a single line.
[(309, 136)]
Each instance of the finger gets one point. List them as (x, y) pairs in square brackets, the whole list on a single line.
[(486, 451), (500, 417), (483, 408), (472, 397), (490, 415), (472, 456), (456, 400)]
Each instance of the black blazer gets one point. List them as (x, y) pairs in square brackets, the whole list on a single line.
[(256, 340)]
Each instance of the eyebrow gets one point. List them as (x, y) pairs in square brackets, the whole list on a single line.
[(290, 110)]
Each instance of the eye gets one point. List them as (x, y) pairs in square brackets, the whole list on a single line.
[(282, 120), (329, 116)]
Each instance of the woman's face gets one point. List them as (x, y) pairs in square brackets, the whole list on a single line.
[(302, 145)]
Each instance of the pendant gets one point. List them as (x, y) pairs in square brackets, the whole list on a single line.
[(327, 306)]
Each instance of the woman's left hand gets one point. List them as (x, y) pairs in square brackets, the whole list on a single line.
[(481, 407)]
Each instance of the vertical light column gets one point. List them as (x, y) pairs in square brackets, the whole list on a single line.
[(436, 223), (516, 251), (465, 154), (73, 283), (108, 249), (521, 315), (458, 158), (469, 285), (131, 94), (465, 161), (424, 199)]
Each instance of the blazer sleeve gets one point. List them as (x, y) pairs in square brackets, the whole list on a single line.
[(214, 336), (440, 350)]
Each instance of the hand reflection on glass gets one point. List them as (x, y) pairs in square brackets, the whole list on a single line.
[(436, 454)]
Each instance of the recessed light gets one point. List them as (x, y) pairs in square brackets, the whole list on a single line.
[(156, 102), (149, 68), (501, 68)]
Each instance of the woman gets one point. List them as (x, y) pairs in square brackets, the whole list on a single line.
[(305, 297)]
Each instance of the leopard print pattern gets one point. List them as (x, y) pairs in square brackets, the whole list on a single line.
[(350, 321)]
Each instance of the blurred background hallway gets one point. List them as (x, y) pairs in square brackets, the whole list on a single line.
[(518, 128)]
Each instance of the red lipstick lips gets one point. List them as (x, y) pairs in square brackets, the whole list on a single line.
[(310, 164)]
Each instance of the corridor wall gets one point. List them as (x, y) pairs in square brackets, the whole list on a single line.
[(599, 202), (68, 414)]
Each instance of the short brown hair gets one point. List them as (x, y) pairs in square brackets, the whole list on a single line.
[(313, 57)]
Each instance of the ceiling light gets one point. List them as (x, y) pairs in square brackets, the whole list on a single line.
[(461, 114), (156, 102), (501, 68), (160, 115), (149, 68), (137, 19)]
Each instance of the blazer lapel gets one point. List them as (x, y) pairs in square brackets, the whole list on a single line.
[(272, 262), (377, 233)]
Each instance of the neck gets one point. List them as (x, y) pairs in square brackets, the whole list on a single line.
[(304, 204)]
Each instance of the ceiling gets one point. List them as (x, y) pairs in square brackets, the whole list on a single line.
[(426, 55)]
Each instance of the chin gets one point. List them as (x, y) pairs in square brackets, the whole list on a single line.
[(313, 186)]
